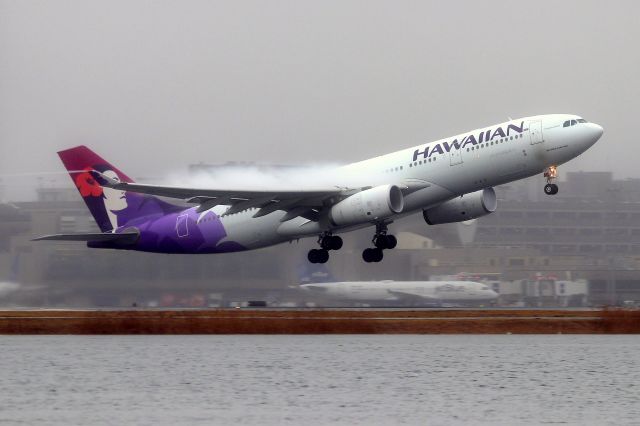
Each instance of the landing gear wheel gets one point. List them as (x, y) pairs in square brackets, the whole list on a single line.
[(551, 189), (336, 242), (325, 243), (377, 254), (372, 255), (392, 241), (386, 242), (381, 242), (323, 256), (330, 242), (367, 256), (318, 256)]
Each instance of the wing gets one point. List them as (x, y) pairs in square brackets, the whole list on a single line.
[(305, 203)]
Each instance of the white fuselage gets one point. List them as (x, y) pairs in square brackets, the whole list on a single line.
[(440, 171), (411, 291)]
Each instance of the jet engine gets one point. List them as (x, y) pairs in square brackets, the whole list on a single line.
[(369, 205), (467, 207)]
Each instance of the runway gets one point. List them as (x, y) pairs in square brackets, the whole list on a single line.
[(320, 321)]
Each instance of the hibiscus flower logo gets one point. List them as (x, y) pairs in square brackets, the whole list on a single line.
[(87, 185)]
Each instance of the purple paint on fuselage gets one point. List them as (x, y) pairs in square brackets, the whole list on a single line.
[(166, 228), (181, 233)]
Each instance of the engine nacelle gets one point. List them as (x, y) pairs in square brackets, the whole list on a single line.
[(367, 206), (467, 207)]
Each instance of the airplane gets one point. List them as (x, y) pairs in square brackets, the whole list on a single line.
[(448, 180), (406, 292)]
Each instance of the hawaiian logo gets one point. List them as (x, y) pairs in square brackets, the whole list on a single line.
[(87, 185), (471, 139)]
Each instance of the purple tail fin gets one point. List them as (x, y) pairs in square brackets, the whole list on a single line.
[(110, 208)]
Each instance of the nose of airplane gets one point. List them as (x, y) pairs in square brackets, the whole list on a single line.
[(596, 131), (592, 132)]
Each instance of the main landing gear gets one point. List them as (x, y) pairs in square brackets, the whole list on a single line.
[(327, 242), (381, 241), (551, 173)]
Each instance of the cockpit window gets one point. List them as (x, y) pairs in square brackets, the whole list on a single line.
[(573, 122)]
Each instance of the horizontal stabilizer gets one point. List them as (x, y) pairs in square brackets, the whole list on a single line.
[(125, 237)]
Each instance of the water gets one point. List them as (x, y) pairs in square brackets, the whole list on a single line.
[(315, 380)]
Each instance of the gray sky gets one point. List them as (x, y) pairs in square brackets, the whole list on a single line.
[(155, 85)]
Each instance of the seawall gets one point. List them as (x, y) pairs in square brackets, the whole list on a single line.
[(319, 321)]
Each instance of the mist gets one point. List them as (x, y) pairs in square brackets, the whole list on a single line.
[(256, 177)]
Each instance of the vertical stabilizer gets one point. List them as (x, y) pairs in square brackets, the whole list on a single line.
[(111, 208)]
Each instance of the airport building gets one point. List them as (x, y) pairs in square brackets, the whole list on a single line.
[(588, 233)]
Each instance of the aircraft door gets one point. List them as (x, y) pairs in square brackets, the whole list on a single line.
[(182, 228), (455, 155), (535, 132)]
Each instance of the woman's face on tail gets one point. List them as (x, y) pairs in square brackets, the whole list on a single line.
[(114, 199)]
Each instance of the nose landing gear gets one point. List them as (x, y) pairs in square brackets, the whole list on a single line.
[(381, 241), (551, 173), (327, 242), (551, 189)]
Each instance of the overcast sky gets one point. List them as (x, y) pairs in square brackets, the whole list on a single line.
[(156, 85)]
